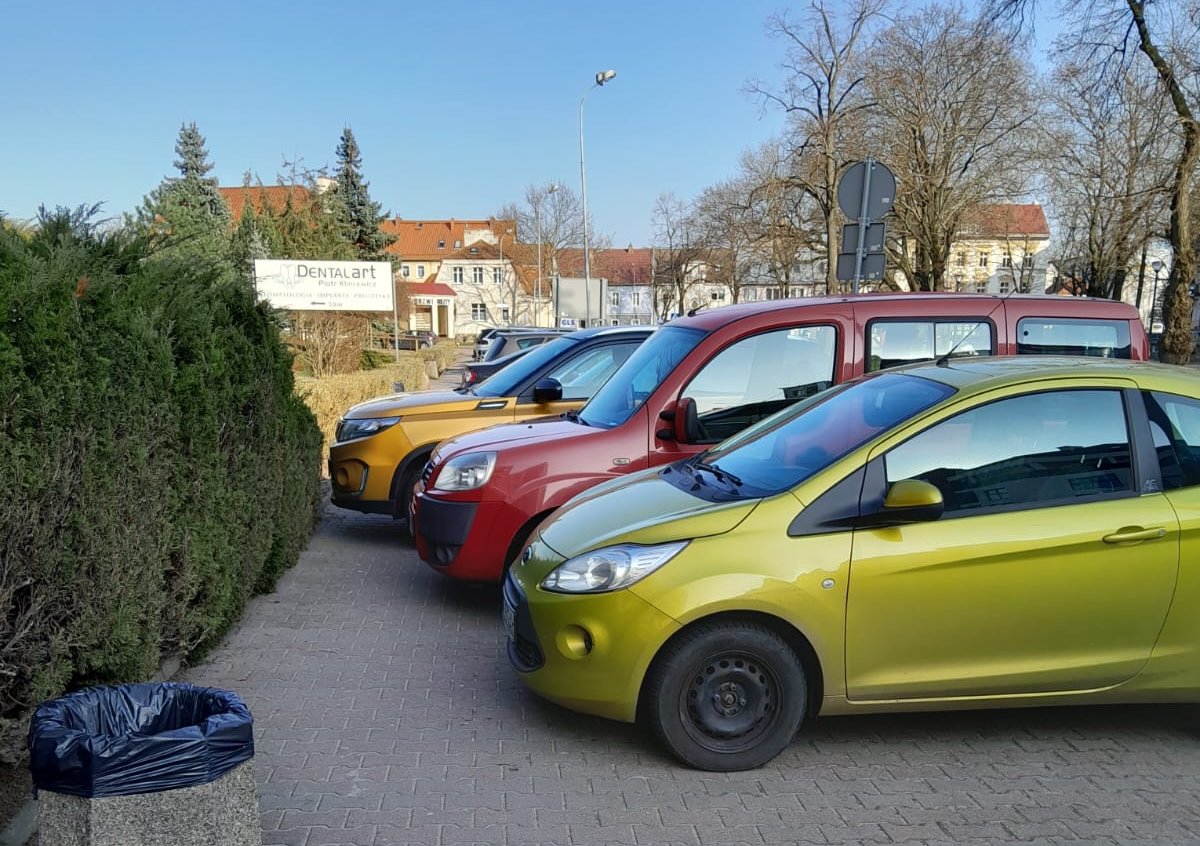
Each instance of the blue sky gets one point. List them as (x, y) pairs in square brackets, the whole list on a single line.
[(457, 107)]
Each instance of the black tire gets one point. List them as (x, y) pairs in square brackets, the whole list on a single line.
[(403, 494), (726, 696)]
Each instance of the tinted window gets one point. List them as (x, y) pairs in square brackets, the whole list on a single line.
[(1072, 336), (504, 383), (757, 376), (585, 373), (1175, 425), (891, 343), (637, 378), (784, 450), (1024, 452)]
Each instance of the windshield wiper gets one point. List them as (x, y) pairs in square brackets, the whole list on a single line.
[(573, 416), (722, 475)]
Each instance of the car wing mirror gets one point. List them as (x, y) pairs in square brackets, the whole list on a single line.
[(684, 422), (907, 501), (547, 390)]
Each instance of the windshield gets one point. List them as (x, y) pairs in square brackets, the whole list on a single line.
[(782, 451), (628, 388), (504, 382)]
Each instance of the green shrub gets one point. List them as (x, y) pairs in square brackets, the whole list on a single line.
[(156, 467)]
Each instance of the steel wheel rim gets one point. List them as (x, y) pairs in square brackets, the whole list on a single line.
[(730, 701)]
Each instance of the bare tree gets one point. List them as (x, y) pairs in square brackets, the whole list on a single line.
[(728, 229), (677, 250), (824, 95), (952, 106), (1107, 154), (788, 226), (1167, 36)]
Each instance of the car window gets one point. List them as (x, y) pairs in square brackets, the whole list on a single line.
[(582, 375), (891, 343), (757, 376), (1073, 336), (1175, 425), (504, 383), (636, 379), (1030, 451)]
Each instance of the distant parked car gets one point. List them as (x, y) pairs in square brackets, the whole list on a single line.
[(504, 343), (419, 340), (483, 340), (476, 371)]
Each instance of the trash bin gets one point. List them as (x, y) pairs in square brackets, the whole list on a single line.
[(145, 764)]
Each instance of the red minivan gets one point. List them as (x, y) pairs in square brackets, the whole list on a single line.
[(701, 379)]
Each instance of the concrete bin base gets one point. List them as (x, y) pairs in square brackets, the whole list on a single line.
[(221, 813)]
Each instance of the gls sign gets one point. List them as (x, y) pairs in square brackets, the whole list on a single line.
[(325, 285)]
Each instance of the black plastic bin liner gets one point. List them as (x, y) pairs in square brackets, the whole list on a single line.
[(138, 738)]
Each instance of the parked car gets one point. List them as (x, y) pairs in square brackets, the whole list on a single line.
[(476, 371), (978, 533), (484, 337), (703, 378), (382, 444), (419, 340), (505, 342)]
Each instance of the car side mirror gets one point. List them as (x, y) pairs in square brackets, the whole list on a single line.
[(547, 390), (908, 501), (685, 424)]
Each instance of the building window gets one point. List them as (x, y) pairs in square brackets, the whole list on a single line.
[(1007, 260), (504, 314), (404, 271), (478, 311), (614, 322), (457, 244), (498, 275), (477, 275), (441, 245), (983, 259), (718, 296), (614, 298), (980, 286), (458, 275), (962, 259), (634, 321), (420, 271), (1005, 284)]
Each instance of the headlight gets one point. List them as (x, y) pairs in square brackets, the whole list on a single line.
[(348, 430), (466, 472), (610, 568)]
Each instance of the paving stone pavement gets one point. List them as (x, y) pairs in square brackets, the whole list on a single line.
[(386, 713)]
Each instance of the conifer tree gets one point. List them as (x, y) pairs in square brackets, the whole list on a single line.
[(186, 216), (363, 215)]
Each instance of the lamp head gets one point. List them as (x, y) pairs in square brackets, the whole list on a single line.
[(1156, 265), (605, 76)]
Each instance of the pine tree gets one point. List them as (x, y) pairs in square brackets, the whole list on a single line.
[(248, 242), (363, 215), (186, 215)]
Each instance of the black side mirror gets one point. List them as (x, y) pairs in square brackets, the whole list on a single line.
[(547, 390), (907, 501)]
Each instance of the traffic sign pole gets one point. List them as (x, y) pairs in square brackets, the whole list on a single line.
[(863, 222)]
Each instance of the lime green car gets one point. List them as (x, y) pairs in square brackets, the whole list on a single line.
[(976, 534)]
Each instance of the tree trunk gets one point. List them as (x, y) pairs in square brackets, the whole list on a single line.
[(1177, 343)]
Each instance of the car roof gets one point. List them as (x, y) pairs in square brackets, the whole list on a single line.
[(598, 331), (974, 374), (909, 302)]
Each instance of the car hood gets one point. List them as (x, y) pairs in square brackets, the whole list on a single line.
[(425, 402), (640, 508), (544, 429)]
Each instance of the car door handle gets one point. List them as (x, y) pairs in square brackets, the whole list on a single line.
[(1133, 534)]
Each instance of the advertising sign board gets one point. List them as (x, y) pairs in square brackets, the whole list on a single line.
[(325, 285)]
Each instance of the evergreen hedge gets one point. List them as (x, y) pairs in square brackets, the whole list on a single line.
[(156, 468)]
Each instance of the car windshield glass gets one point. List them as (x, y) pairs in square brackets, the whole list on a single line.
[(782, 451), (504, 382), (628, 388)]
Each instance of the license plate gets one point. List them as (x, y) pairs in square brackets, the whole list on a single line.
[(510, 621)]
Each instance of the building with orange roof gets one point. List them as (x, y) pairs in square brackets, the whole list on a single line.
[(999, 248), (259, 197), (422, 245)]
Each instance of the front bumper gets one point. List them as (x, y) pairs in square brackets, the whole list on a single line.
[(464, 540), (587, 652)]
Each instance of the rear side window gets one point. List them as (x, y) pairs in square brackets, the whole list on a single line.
[(1175, 425), (1073, 336), (891, 343)]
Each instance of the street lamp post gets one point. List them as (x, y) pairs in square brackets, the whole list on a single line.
[(504, 277), (537, 217), (601, 78), (1157, 266)]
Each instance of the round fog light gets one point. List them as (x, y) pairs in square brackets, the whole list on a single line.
[(574, 642), (341, 477)]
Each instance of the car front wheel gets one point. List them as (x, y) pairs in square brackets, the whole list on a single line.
[(726, 696)]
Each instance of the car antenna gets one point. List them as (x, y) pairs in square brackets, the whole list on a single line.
[(944, 359)]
